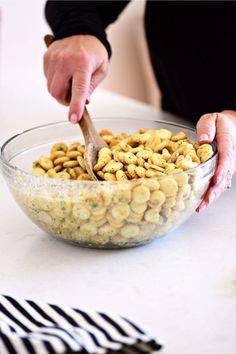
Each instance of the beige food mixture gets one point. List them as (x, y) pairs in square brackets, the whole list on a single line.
[(148, 153), (155, 194)]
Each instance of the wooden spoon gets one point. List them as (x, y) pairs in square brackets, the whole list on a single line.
[(93, 141)]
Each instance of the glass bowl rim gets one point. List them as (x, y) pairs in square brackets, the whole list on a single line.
[(59, 181)]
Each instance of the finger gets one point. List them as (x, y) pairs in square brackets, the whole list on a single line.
[(49, 73), (226, 161), (79, 94), (45, 63), (59, 86), (213, 192), (55, 62), (225, 147), (50, 69), (50, 59), (97, 77), (48, 56), (206, 128)]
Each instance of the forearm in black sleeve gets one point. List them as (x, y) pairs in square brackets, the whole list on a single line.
[(67, 18)]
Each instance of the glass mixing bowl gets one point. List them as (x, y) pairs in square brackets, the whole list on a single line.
[(101, 214)]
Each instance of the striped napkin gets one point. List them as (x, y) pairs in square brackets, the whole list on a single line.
[(29, 327)]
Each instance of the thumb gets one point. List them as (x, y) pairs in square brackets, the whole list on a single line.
[(79, 95), (206, 128)]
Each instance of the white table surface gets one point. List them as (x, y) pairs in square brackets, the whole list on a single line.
[(182, 288)]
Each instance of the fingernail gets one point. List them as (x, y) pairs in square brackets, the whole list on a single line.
[(211, 198), (74, 118), (201, 207), (203, 137)]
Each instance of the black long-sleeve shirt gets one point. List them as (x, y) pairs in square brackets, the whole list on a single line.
[(192, 46)]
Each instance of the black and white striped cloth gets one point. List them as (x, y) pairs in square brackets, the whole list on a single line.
[(29, 327)]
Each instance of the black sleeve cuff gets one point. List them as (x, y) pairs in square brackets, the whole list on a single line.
[(68, 18), (229, 106)]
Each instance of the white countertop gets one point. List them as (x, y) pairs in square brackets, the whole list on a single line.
[(182, 288)]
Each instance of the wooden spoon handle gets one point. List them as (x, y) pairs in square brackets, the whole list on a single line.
[(48, 39), (90, 133)]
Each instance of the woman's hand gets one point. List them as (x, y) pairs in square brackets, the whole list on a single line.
[(74, 66), (222, 128)]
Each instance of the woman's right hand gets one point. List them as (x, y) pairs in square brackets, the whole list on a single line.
[(73, 67)]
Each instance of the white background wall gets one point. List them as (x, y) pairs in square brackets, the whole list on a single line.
[(23, 27), (130, 69)]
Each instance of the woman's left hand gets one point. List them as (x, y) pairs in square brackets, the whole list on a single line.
[(222, 128)]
